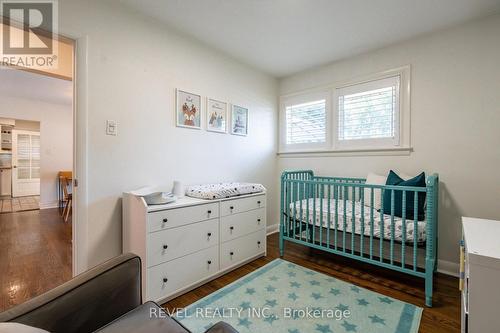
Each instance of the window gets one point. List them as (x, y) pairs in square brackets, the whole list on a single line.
[(368, 114), (305, 122)]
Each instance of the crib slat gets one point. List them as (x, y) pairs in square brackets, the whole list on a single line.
[(362, 199), (371, 222), (381, 228), (287, 200), (392, 227), (301, 221), (308, 215), (344, 199), (295, 199), (336, 194), (313, 231), (403, 237), (322, 194), (353, 219), (329, 215), (415, 219)]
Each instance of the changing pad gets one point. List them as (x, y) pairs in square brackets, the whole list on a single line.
[(223, 190)]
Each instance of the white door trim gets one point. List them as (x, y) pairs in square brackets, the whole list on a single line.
[(80, 155)]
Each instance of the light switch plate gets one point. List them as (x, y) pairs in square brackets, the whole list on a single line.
[(111, 127)]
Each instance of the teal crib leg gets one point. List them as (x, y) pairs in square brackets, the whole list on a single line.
[(282, 242), (429, 274), (435, 261)]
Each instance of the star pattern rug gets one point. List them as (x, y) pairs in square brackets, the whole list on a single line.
[(285, 297)]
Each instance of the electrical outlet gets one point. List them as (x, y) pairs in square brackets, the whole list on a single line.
[(111, 127)]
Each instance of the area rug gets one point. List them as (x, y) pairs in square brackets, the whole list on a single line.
[(285, 297)]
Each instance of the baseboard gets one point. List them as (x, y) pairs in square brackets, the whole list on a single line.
[(47, 205), (272, 229), (448, 267)]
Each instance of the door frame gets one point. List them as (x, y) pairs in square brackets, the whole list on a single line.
[(14, 158), (80, 153), (80, 147)]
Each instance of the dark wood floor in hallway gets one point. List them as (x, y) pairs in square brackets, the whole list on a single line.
[(443, 317), (35, 254)]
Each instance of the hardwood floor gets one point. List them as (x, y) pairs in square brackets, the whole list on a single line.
[(35, 254), (443, 317)]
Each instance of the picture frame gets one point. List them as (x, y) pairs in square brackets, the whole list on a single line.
[(239, 120), (188, 109), (216, 116)]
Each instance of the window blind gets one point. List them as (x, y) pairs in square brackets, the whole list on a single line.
[(368, 111), (306, 123)]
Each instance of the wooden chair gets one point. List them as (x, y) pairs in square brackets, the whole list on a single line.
[(68, 198), (60, 193)]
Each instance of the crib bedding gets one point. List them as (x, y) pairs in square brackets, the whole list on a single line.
[(223, 190), (320, 207)]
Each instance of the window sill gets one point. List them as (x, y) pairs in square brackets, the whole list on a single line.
[(392, 151)]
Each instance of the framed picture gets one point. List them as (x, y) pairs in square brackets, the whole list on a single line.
[(216, 116), (188, 109), (239, 120)]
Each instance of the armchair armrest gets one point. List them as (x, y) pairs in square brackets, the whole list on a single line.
[(221, 327), (86, 302)]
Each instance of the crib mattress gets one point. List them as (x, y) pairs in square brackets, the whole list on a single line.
[(223, 190), (322, 207)]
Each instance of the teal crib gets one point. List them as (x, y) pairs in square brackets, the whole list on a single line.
[(341, 216)]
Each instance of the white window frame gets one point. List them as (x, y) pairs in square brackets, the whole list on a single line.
[(300, 99), (400, 144)]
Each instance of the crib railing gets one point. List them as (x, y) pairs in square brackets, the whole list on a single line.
[(320, 212)]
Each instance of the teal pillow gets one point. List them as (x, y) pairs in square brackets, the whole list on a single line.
[(395, 180)]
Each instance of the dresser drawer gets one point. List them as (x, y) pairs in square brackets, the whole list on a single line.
[(176, 217), (241, 224), (236, 206), (173, 276), (239, 249), (169, 244)]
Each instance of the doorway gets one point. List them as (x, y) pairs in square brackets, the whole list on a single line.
[(19, 165), (25, 163), (36, 150)]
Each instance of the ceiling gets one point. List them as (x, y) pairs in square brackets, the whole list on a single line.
[(23, 84), (282, 37)]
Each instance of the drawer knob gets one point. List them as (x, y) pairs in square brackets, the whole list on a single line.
[(165, 280), (232, 207), (258, 202), (209, 212), (258, 220), (258, 243), (209, 234), (165, 246), (231, 228), (209, 262), (165, 220), (231, 253)]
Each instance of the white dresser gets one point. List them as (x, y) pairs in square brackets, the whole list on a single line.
[(481, 289), (191, 241)]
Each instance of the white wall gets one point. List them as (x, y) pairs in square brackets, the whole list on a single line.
[(56, 138), (133, 66), (455, 118)]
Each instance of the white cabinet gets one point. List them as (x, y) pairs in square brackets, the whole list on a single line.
[(191, 241), (480, 293)]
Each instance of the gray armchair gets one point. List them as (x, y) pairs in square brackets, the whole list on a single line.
[(106, 298)]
